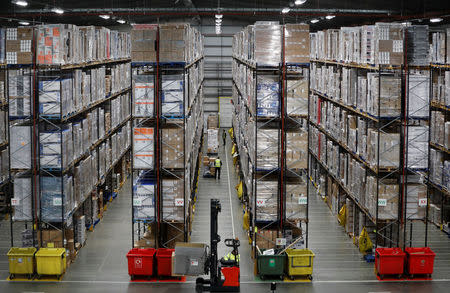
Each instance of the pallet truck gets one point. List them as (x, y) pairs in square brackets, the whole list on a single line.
[(223, 278)]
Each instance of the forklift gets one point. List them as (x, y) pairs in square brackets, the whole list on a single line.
[(223, 277)]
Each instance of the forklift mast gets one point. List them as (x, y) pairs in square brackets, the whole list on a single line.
[(215, 239)]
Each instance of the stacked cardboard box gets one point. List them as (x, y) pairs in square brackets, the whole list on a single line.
[(438, 48), (418, 45), (266, 200), (436, 166), (143, 45), (144, 199), (296, 149), (22, 199), (296, 40), (173, 38), (143, 88), (416, 204), (267, 43), (18, 45), (297, 95), (20, 88), (267, 149), (268, 96), (213, 121), (296, 201), (389, 149), (172, 148), (418, 147), (173, 200), (387, 199), (213, 141), (143, 151), (266, 239), (172, 95)]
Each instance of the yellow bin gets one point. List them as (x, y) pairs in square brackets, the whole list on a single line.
[(300, 262), (51, 261), (21, 261)]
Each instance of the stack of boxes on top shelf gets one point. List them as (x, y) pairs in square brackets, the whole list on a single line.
[(180, 99), (87, 103), (375, 96), (262, 45), (213, 134), (212, 147)]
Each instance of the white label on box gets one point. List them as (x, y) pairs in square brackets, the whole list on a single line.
[(137, 202), (422, 202), (302, 200), (15, 202), (260, 202), (194, 263), (382, 202), (281, 241), (179, 202), (57, 201)]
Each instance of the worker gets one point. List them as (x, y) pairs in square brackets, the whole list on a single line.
[(218, 165), (231, 258), (224, 137)]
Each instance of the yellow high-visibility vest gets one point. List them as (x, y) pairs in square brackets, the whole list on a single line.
[(231, 256), (218, 163)]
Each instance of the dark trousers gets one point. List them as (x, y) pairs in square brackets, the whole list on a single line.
[(224, 141), (217, 172)]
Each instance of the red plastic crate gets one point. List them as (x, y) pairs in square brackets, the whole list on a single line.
[(389, 261), (164, 261), (420, 260), (140, 261)]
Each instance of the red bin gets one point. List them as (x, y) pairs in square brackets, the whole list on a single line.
[(420, 260), (140, 261), (389, 261), (164, 261)]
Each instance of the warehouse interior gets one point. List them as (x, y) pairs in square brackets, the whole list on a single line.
[(321, 127)]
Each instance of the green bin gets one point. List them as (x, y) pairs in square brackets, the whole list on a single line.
[(271, 265), (21, 261)]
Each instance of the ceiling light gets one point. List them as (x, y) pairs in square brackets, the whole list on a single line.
[(58, 10), (330, 17), (314, 20), (21, 3), (24, 23), (104, 16), (285, 10), (436, 19), (219, 16), (218, 20), (299, 2), (121, 21)]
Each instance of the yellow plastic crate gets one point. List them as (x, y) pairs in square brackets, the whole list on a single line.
[(51, 261), (300, 262), (21, 261)]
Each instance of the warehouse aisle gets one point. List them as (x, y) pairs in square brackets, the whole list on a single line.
[(104, 256), (231, 215), (337, 258)]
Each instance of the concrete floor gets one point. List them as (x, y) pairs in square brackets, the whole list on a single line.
[(101, 265)]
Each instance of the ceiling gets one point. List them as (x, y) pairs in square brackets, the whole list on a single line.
[(349, 12)]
